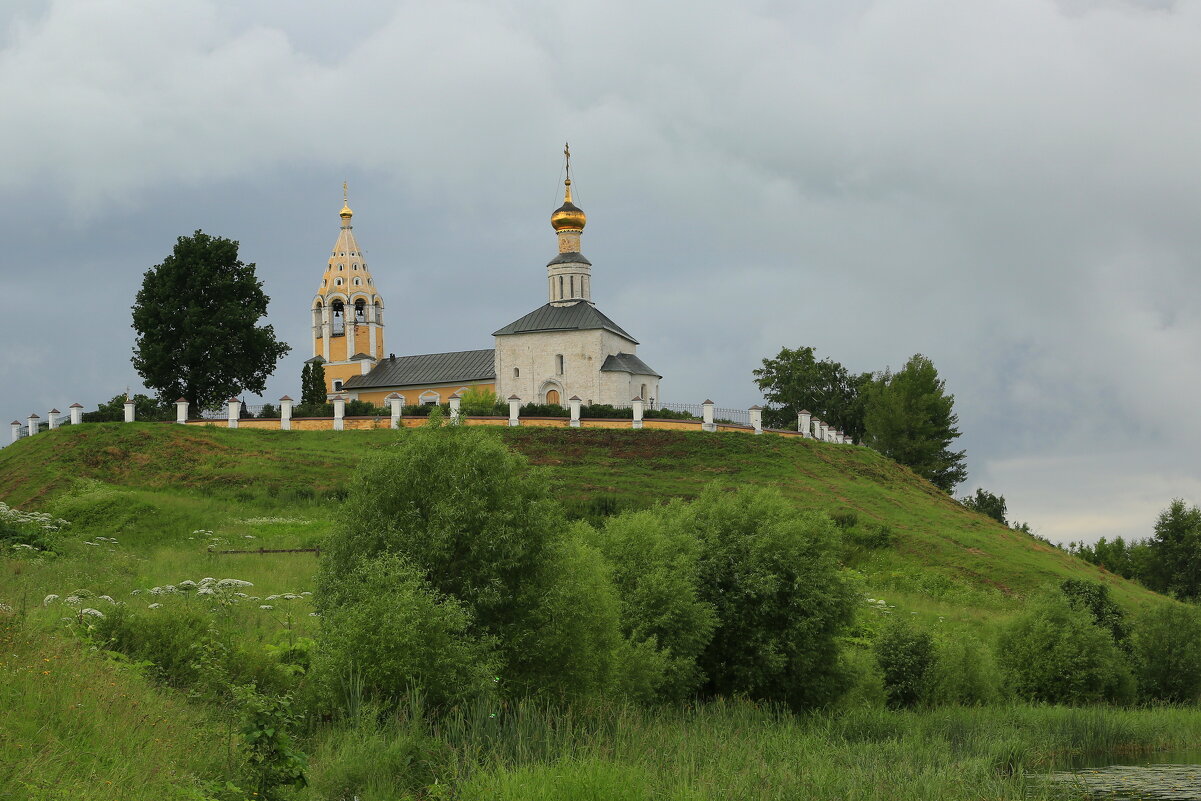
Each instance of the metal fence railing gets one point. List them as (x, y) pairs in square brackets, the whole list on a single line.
[(688, 408), (740, 417)]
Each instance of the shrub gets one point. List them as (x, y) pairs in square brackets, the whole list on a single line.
[(906, 656), (964, 672), (480, 401), (656, 567), (844, 518), (1167, 648), (772, 576), (269, 412), (361, 408), (874, 537), (145, 409), (1055, 653), (272, 758), (392, 632)]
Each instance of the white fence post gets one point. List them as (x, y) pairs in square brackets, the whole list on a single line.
[(16, 429), (395, 406), (235, 411), (574, 402), (639, 410), (285, 413), (514, 410), (33, 424), (339, 412), (456, 405), (817, 429), (707, 423), (76, 410), (54, 413), (128, 409), (802, 422), (181, 411), (756, 415)]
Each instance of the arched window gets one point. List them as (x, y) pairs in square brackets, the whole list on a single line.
[(360, 311), (559, 364), (337, 282), (337, 385), (358, 281), (339, 317), (354, 266), (430, 398), (571, 285), (339, 268), (369, 282), (517, 372), (560, 287), (642, 394)]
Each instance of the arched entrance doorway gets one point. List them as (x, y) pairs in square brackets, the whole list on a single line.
[(552, 397)]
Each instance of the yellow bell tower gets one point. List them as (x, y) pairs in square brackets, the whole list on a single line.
[(348, 312)]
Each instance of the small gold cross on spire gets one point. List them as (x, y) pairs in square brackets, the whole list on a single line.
[(345, 194), (567, 157)]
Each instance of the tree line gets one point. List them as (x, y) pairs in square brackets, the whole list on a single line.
[(907, 415)]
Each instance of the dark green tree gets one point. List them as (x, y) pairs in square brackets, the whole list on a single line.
[(196, 318), (1094, 599), (910, 418), (1176, 552), (1167, 648), (906, 656), (987, 504), (795, 380), (312, 383)]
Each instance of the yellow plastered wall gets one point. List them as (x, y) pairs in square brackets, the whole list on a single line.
[(412, 395)]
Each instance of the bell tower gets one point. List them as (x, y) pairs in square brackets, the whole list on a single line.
[(568, 275), (347, 311)]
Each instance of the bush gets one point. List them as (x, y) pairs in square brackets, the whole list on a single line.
[(874, 537), (1094, 599), (481, 401), (656, 567), (773, 578), (392, 633), (964, 672), (906, 656), (269, 412), (1055, 653), (544, 410), (145, 409), (481, 528), (1167, 648), (313, 410), (361, 408)]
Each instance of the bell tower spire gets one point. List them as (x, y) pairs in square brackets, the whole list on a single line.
[(347, 312), (569, 274)]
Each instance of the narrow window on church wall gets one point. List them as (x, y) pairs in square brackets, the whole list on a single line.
[(571, 286), (559, 364), (560, 287)]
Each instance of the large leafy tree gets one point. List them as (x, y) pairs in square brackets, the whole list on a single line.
[(910, 418), (196, 318), (1176, 552), (796, 380), (986, 503)]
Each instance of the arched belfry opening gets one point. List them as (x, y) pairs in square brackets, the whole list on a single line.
[(360, 311), (338, 316)]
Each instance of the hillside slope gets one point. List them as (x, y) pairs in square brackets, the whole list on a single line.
[(154, 483)]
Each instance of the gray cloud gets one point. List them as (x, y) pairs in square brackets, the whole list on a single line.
[(1011, 188)]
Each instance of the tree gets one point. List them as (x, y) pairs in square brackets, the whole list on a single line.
[(909, 417), (196, 318), (1094, 599), (1176, 552), (145, 408), (795, 380), (987, 504), (906, 656), (312, 383)]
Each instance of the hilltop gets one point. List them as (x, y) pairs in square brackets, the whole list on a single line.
[(154, 483)]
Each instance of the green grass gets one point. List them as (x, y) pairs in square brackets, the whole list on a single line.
[(157, 489)]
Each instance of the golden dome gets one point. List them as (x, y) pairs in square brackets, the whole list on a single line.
[(346, 212), (569, 215)]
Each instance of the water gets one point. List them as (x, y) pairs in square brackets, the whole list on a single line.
[(1164, 776)]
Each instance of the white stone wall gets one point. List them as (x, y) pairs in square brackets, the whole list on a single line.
[(534, 356)]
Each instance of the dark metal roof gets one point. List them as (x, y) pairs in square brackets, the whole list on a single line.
[(579, 316), (571, 257), (627, 363), (431, 368)]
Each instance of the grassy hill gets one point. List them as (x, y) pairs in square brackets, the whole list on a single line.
[(153, 504), (153, 483)]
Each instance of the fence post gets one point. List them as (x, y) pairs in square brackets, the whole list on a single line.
[(456, 404), (802, 422), (756, 415), (339, 412), (285, 413), (637, 403), (394, 403), (514, 410), (128, 409), (16, 429), (574, 402), (817, 429), (54, 413), (76, 413), (181, 411), (235, 411), (33, 424), (707, 423)]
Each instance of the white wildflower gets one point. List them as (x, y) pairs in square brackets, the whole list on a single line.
[(73, 600), (186, 584), (266, 606), (207, 580), (314, 614), (306, 593), (108, 598), (206, 591), (290, 596), (85, 542), (49, 599), (92, 613), (230, 582), (272, 597), (241, 595), (135, 592), (155, 606)]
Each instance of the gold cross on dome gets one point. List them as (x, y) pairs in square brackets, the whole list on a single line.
[(567, 156)]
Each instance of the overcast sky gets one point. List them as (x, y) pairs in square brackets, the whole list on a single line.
[(1011, 187)]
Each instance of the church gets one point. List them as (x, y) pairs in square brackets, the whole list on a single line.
[(565, 348)]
